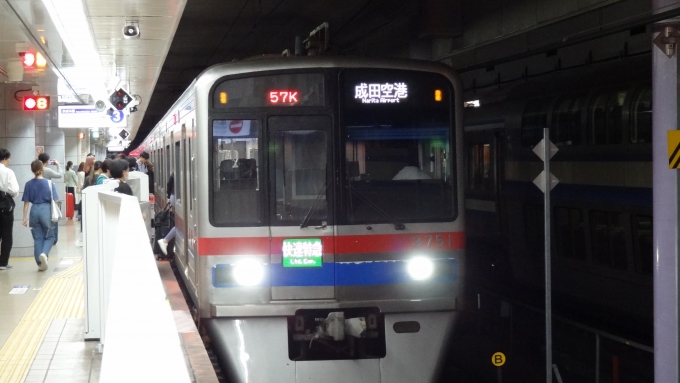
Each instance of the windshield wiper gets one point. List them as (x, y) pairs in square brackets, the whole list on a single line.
[(308, 216), (397, 225)]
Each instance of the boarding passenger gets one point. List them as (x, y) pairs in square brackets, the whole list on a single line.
[(9, 188), (141, 162), (163, 242), (119, 171), (39, 194)]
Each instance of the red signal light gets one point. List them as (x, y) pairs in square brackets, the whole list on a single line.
[(28, 60), (36, 103)]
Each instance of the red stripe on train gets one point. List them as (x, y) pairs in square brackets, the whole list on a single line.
[(345, 244)]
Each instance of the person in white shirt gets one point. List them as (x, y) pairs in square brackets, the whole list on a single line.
[(9, 188)]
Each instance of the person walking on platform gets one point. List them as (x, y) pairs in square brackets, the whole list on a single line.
[(9, 188), (39, 194), (79, 189)]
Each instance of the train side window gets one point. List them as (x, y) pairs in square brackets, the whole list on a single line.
[(570, 233), (566, 127), (167, 163), (605, 118), (178, 173), (608, 239), (534, 231), (642, 243), (190, 181), (480, 167), (534, 120), (641, 120)]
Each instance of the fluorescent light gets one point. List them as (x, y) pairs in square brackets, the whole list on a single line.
[(74, 29)]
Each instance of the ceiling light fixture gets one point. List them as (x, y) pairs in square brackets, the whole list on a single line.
[(71, 21)]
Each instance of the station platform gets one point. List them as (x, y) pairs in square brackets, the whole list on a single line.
[(42, 320)]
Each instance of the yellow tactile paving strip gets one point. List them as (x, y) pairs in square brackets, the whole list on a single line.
[(61, 297)]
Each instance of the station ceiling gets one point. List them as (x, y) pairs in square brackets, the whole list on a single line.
[(217, 31)]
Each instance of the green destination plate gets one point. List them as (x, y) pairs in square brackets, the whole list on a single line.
[(302, 252)]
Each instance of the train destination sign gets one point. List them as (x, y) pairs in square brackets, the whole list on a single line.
[(302, 252), (387, 93)]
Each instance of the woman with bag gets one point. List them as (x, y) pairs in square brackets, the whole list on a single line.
[(41, 193)]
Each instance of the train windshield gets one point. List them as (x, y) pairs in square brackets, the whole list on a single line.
[(397, 141)]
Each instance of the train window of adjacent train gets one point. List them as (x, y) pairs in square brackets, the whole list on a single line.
[(566, 127), (641, 120), (534, 231), (235, 192), (480, 167), (534, 120), (642, 243), (178, 173), (300, 180), (606, 112), (608, 239), (570, 233)]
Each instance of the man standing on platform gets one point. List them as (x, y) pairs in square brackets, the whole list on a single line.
[(9, 188)]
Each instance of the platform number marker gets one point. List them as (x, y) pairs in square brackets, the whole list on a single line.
[(19, 289), (498, 359)]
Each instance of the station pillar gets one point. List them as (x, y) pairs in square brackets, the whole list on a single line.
[(665, 199)]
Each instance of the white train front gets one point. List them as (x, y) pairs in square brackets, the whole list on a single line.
[(319, 215)]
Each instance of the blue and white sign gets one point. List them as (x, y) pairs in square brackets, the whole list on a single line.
[(117, 116), (86, 116)]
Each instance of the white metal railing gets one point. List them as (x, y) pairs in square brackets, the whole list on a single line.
[(126, 302)]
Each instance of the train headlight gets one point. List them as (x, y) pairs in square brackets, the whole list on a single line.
[(249, 273), (420, 268)]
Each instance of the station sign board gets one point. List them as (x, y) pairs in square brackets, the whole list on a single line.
[(87, 116)]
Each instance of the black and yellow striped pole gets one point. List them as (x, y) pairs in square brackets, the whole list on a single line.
[(673, 149)]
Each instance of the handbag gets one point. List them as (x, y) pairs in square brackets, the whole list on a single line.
[(56, 212)]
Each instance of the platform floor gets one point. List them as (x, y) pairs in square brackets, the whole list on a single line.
[(42, 320)]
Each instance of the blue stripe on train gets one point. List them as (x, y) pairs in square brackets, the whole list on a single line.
[(343, 274)]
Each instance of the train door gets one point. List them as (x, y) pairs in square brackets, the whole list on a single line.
[(301, 209), (180, 200), (191, 222)]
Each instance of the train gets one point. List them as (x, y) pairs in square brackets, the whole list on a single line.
[(600, 119), (319, 215)]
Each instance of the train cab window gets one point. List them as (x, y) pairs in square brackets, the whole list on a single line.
[(300, 175), (642, 243), (566, 127), (608, 239), (235, 192), (398, 151), (641, 117), (534, 120), (606, 113), (480, 167), (570, 233)]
